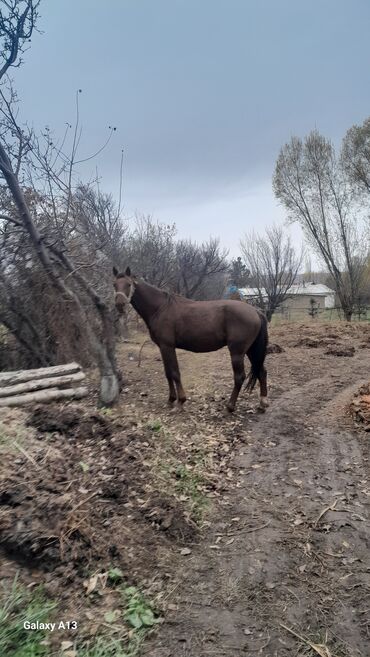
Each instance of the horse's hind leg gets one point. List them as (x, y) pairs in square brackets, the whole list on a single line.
[(261, 376), (263, 389), (171, 368), (237, 361)]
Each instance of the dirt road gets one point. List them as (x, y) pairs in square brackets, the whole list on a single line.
[(289, 550), (248, 534)]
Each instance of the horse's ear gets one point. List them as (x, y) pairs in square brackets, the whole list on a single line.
[(115, 271), (128, 271)]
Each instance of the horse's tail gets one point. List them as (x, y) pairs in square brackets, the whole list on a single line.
[(257, 353)]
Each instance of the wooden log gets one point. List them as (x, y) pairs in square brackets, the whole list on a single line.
[(52, 394), (9, 378), (41, 384)]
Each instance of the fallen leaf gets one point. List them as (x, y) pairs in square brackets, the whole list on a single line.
[(185, 551), (91, 584), (66, 645), (111, 616)]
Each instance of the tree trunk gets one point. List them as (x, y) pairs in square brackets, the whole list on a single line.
[(269, 313), (346, 305)]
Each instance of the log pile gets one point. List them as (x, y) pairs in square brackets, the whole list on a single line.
[(42, 385)]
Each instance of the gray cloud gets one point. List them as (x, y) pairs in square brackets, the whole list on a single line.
[(203, 94)]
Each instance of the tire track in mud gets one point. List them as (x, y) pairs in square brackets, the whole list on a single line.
[(292, 546)]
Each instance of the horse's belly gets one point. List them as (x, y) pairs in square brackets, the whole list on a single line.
[(201, 344)]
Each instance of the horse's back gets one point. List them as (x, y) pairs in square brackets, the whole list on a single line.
[(203, 326)]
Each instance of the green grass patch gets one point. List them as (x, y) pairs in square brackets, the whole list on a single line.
[(106, 410), (6, 441), (155, 426), (138, 610), (189, 483), (131, 621), (16, 607), (111, 647)]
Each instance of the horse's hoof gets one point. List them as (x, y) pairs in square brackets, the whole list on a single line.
[(178, 407), (230, 409)]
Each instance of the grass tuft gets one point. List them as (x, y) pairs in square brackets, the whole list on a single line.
[(16, 607)]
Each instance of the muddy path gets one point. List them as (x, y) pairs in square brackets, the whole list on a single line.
[(289, 549)]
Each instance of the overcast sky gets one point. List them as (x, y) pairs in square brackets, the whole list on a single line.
[(203, 94)]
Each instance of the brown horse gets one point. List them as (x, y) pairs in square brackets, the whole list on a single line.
[(199, 326)]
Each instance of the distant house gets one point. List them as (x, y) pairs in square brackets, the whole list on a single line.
[(299, 296)]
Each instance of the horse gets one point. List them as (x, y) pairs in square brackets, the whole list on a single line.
[(175, 322)]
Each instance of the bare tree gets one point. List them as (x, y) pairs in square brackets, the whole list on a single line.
[(149, 248), (196, 264), (186, 267), (97, 221), (17, 22), (273, 266), (355, 155), (311, 183)]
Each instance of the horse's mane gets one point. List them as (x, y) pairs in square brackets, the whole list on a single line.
[(171, 297)]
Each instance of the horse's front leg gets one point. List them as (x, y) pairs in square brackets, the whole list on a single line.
[(171, 368)]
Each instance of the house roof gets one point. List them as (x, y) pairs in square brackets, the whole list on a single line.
[(307, 289)]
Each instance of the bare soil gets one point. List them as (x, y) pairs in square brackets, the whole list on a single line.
[(251, 530)]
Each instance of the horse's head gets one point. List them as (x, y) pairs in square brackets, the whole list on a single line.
[(124, 285)]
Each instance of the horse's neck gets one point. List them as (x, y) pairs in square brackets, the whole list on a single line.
[(147, 300)]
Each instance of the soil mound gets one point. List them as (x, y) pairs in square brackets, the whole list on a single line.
[(274, 348), (340, 351), (70, 422), (86, 490), (360, 407)]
